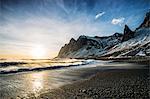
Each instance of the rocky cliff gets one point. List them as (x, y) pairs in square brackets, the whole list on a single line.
[(146, 22), (128, 34)]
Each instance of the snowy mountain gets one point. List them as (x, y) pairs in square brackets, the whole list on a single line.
[(130, 43), (86, 46), (140, 43)]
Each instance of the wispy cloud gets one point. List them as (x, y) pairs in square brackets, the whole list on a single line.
[(43, 30), (118, 21), (99, 15)]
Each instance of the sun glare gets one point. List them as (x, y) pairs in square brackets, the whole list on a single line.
[(38, 52)]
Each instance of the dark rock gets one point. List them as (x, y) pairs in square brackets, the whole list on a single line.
[(146, 22), (128, 34), (72, 46)]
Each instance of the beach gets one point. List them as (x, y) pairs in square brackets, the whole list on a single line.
[(115, 83), (94, 80)]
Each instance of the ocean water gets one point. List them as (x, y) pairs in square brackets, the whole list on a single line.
[(15, 66), (23, 78)]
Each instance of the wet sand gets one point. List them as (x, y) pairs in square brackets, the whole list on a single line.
[(112, 83)]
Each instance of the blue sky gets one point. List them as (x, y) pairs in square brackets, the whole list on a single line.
[(25, 24)]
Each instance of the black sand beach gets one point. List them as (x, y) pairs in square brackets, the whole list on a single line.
[(105, 79), (114, 83)]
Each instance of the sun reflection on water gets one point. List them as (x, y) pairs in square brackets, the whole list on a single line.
[(38, 82)]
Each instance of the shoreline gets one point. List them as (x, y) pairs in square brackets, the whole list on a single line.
[(135, 59), (113, 83), (114, 79)]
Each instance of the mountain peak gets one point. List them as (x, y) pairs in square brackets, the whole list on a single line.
[(82, 37), (72, 40), (128, 34), (146, 22)]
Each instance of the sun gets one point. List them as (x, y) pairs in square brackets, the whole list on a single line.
[(38, 52)]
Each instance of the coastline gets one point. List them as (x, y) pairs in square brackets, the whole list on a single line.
[(98, 80), (112, 83), (135, 59)]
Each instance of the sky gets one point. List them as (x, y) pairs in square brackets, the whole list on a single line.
[(29, 25)]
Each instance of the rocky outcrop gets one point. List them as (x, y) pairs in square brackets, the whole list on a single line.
[(72, 46), (146, 22), (128, 34)]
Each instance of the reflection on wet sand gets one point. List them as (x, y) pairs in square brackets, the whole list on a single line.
[(37, 83)]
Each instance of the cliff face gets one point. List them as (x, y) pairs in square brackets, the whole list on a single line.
[(128, 34), (146, 22), (72, 46), (130, 43)]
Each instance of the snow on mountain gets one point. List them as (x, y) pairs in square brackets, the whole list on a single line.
[(130, 43), (141, 53), (137, 41), (86, 46), (140, 42)]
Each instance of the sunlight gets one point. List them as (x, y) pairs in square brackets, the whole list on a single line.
[(37, 81), (38, 52)]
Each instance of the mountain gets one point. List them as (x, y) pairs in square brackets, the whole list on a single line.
[(130, 43), (86, 46), (146, 22), (137, 42), (128, 34)]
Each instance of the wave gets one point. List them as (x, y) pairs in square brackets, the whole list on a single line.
[(41, 68), (6, 64)]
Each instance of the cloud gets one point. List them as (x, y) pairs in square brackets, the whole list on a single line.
[(118, 21), (99, 15), (52, 33)]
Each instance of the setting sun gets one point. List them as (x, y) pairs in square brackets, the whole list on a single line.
[(38, 52)]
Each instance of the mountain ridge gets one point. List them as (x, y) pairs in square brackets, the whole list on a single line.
[(130, 43)]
